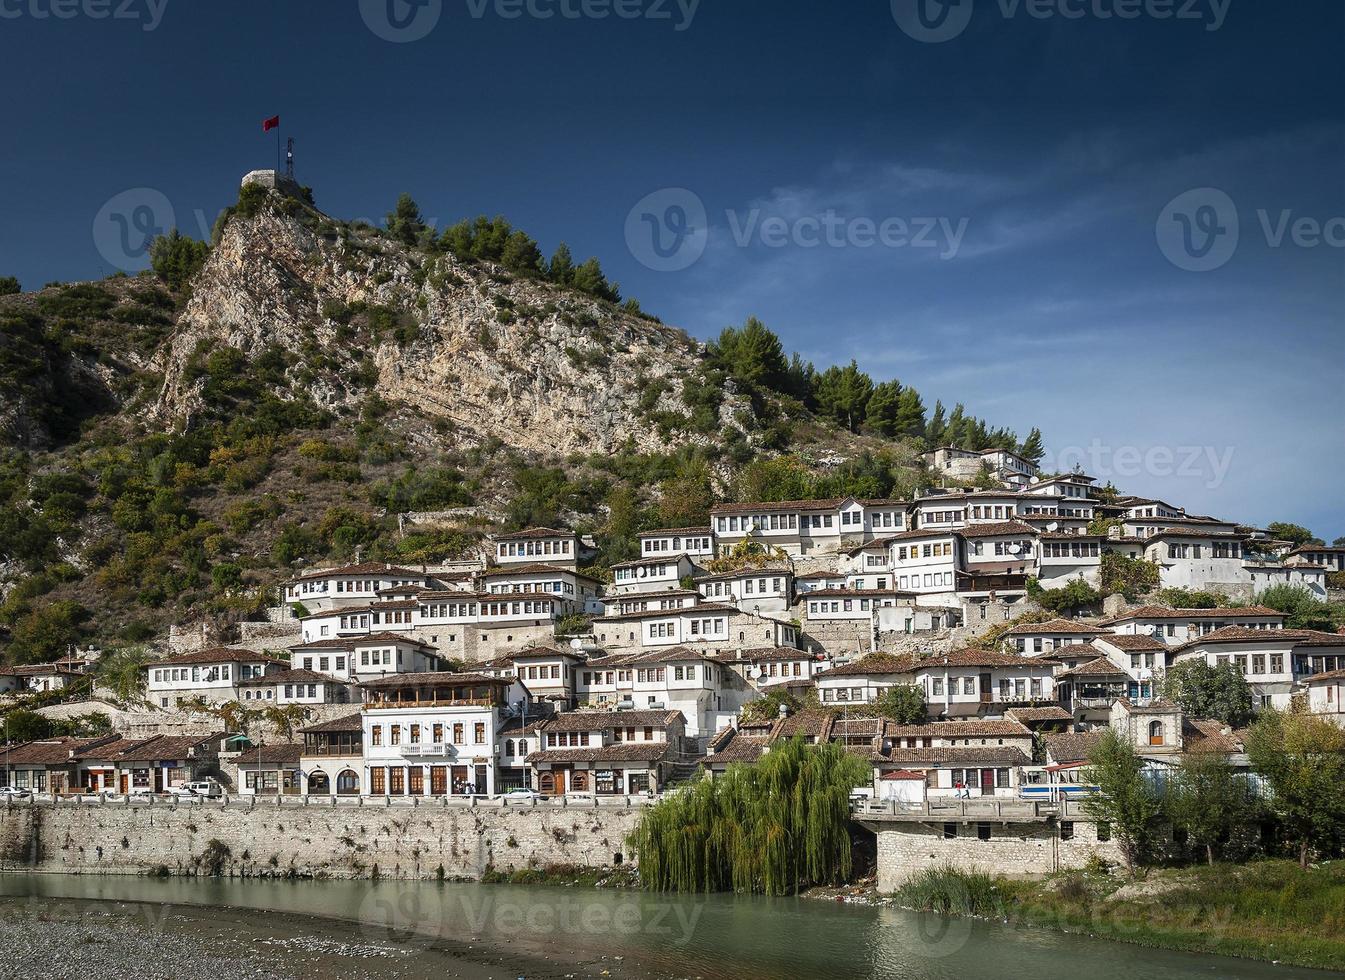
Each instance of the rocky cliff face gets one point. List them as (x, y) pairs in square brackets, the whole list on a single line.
[(542, 368)]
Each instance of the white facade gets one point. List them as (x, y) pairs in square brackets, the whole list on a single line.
[(695, 542), (655, 574)]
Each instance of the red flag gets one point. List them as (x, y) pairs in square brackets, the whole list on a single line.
[(270, 124)]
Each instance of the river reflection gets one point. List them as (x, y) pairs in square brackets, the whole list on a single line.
[(713, 937)]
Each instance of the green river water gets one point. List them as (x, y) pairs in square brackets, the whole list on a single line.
[(713, 937)]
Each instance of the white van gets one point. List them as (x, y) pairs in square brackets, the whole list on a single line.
[(208, 788)]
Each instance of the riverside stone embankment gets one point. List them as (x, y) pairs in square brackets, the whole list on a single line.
[(317, 840)]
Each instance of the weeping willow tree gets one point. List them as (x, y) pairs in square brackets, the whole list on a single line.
[(774, 827)]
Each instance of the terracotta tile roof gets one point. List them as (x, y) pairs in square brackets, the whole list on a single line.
[(1167, 612), (50, 751), (855, 594), (871, 664), (739, 748), (542, 651), (294, 675), (671, 655), (1049, 713), (961, 755), (921, 532), (1330, 675), (1132, 641), (996, 530), (346, 723), (747, 571), (1070, 746), (985, 727), (533, 532), (217, 655), (165, 748), (1072, 652), (281, 754), (656, 613), (370, 639), (972, 657), (1055, 626), (1207, 735), (762, 655), (533, 568), (1101, 667), (810, 722), (362, 568), (778, 506), (664, 531), (1244, 634), (438, 678), (594, 721), (617, 752)]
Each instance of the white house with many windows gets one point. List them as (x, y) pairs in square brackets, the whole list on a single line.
[(768, 589), (925, 561), (576, 592), (351, 585), (1176, 626), (805, 527), (544, 545), (434, 734), (694, 542), (655, 574), (365, 657), (214, 675)]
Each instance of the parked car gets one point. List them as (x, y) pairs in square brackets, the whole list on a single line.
[(207, 788), (520, 793), (14, 793)]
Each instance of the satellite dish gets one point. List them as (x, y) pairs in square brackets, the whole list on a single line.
[(760, 671), (1015, 549), (1053, 526), (576, 644)]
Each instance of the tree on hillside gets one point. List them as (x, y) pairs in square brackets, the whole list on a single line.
[(843, 394), (1032, 449), (521, 255), (1302, 610), (1220, 691), (910, 414), (589, 278), (1302, 758), (1209, 800), (1132, 577), (404, 222), (1125, 799), (9, 285), (884, 409), (751, 354), (1175, 598), (686, 498), (123, 673), (176, 258), (1285, 531), (1339, 542), (937, 427), (22, 725), (903, 703), (560, 269), (1074, 595)]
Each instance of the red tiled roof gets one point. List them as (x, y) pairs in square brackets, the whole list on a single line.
[(217, 655), (1167, 612), (595, 721), (996, 529), (533, 532), (1054, 626), (281, 754), (1132, 641)]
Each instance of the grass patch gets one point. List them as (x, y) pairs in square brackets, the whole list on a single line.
[(1264, 910)]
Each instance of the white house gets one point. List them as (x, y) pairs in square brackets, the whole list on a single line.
[(295, 686), (654, 574), (1331, 558), (767, 589), (434, 734), (1063, 557), (1326, 695), (365, 657), (545, 545), (607, 753), (1265, 575), (804, 527), (351, 585), (575, 591), (1195, 559), (213, 674), (694, 542), (1035, 639), (1175, 626), (925, 562)]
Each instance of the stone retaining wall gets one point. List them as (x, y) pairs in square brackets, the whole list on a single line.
[(317, 840)]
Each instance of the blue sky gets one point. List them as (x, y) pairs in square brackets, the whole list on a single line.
[(1031, 266)]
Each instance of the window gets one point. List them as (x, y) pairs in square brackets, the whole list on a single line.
[(1067, 830), (983, 831), (949, 831)]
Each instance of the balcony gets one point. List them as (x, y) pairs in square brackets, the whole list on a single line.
[(425, 749)]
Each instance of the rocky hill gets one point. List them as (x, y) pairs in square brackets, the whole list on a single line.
[(543, 368)]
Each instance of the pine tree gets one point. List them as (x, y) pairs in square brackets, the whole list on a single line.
[(405, 222), (457, 239), (911, 414), (561, 268), (588, 278), (752, 355), (844, 393), (885, 408), (521, 255), (936, 431), (1032, 450)]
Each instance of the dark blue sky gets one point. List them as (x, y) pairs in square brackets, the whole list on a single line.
[(1020, 173)]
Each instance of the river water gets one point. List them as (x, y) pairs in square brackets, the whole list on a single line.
[(643, 935)]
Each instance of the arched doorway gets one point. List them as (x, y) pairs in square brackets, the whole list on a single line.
[(546, 783), (1155, 733), (319, 783), (347, 783), (579, 781)]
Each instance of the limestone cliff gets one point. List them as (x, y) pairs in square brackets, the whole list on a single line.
[(542, 368)]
